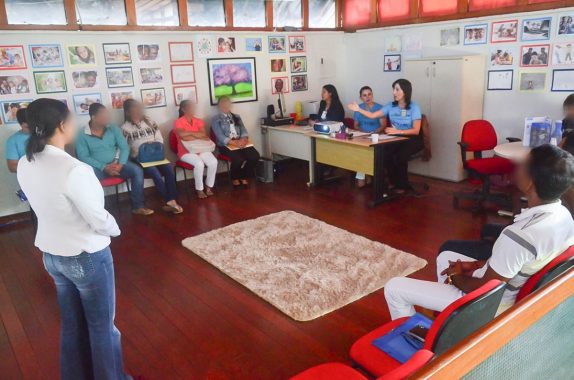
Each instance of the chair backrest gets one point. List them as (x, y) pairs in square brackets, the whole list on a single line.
[(478, 136), (349, 122), (212, 136), (464, 316), (173, 141), (425, 130), (553, 269)]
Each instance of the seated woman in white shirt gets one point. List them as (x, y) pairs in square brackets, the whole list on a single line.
[(74, 231)]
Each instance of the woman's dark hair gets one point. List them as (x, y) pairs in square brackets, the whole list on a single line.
[(569, 101), (407, 88), (363, 89), (335, 101), (44, 117), (182, 106), (128, 105), (568, 144), (551, 170), (94, 109)]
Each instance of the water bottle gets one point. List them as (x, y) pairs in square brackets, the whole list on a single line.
[(556, 133)]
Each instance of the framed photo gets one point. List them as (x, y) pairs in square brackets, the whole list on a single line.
[(14, 84), (277, 44), (46, 55), (279, 85), (182, 74), (82, 102), (85, 79), (119, 77), (254, 44), (450, 37), (151, 75), (117, 53), (117, 98), (81, 55), (502, 56), (393, 44), (278, 65), (504, 31), (532, 81), (298, 64), (562, 54), (181, 93), (11, 107), (12, 57), (181, 51), (476, 34), (534, 55), (563, 80), (536, 29), (500, 80), (297, 44), (233, 77), (153, 97), (226, 45), (392, 62), (299, 83), (148, 52), (566, 25), (48, 82)]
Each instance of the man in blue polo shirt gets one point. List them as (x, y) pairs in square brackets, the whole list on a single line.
[(16, 144)]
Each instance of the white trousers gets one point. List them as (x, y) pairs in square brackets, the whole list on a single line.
[(199, 162), (402, 293)]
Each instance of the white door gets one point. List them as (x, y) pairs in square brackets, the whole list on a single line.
[(419, 74)]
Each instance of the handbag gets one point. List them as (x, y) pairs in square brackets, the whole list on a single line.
[(199, 146), (150, 152)]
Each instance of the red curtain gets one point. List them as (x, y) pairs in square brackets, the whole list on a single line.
[(394, 9), (438, 7), (356, 13), (478, 5)]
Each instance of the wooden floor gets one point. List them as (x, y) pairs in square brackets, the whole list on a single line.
[(183, 319)]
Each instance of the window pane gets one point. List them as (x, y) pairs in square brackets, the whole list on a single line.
[(205, 13), (36, 12), (287, 13), (394, 9), (357, 13), (157, 13), (101, 12), (249, 13), (438, 7), (477, 5), (322, 14)]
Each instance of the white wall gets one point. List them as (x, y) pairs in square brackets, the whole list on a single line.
[(320, 45)]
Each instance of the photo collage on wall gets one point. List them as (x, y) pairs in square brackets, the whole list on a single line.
[(295, 63)]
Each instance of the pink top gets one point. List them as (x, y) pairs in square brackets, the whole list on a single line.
[(196, 125)]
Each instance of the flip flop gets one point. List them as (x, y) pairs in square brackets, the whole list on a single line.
[(174, 210)]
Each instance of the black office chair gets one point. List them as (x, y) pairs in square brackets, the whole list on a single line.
[(418, 188)]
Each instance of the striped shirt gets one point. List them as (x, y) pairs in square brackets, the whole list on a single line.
[(537, 236)]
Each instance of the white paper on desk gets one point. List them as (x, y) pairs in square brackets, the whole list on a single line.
[(360, 134), (386, 137)]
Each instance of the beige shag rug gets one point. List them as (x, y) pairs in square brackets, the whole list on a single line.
[(303, 266)]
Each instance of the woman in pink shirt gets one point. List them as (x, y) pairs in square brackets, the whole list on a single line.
[(188, 128)]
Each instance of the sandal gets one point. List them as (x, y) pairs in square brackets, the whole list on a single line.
[(177, 209)]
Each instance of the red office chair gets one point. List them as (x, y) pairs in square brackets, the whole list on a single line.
[(339, 371), (553, 269), (460, 319), (220, 156), (479, 136), (349, 123), (179, 164), (115, 182)]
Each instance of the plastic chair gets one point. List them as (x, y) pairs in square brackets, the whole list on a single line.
[(179, 164), (115, 182), (220, 156)]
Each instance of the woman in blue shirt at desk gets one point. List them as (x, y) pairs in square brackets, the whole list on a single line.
[(365, 124), (405, 117)]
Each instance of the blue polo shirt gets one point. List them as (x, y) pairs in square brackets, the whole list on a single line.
[(16, 145), (366, 124), (402, 119)]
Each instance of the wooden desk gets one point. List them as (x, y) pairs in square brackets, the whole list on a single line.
[(359, 154), (514, 151)]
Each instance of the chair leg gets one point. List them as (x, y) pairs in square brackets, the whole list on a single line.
[(187, 190), (229, 171), (117, 198)]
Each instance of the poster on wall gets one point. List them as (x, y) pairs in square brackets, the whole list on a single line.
[(226, 45), (565, 25), (254, 44), (46, 55), (204, 46), (11, 107), (153, 97), (562, 54), (392, 62), (299, 64), (450, 37), (82, 102), (12, 58), (117, 98), (14, 84), (536, 29), (119, 77), (502, 56), (148, 53), (181, 93), (534, 55), (500, 80), (532, 81), (181, 51), (299, 83), (48, 82), (279, 65), (279, 85), (476, 34), (151, 75), (81, 55), (563, 80), (117, 53), (85, 79), (182, 74), (504, 31), (277, 44), (297, 44), (393, 44), (233, 77)]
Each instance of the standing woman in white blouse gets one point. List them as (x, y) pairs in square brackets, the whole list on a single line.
[(74, 233)]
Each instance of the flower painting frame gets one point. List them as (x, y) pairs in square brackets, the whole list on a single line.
[(232, 77)]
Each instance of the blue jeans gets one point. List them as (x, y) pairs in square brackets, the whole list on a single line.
[(130, 172), (90, 345), (164, 179)]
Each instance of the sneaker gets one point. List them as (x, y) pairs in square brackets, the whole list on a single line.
[(142, 211)]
